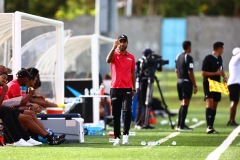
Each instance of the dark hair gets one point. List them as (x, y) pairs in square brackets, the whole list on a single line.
[(186, 44), (37, 83), (33, 71), (23, 73), (3, 70), (217, 45)]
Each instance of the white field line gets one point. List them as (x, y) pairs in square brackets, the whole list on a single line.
[(226, 143), (197, 124), (174, 134)]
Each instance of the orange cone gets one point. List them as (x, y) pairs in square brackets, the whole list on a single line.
[(2, 143), (152, 119)]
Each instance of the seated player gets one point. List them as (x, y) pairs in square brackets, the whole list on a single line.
[(35, 82), (35, 125), (10, 121)]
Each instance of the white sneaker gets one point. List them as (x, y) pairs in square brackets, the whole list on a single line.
[(116, 142), (125, 140), (34, 142), (22, 143), (138, 127), (177, 128)]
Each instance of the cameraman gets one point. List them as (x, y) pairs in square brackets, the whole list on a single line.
[(145, 68), (186, 83)]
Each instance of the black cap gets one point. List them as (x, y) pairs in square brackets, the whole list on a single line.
[(23, 73), (147, 51), (123, 37)]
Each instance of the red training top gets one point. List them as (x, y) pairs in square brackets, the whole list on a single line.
[(5, 97), (121, 69), (14, 89)]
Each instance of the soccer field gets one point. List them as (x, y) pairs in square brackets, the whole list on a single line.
[(191, 145)]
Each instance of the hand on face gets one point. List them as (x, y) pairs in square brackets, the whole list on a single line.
[(116, 43), (31, 91), (3, 79)]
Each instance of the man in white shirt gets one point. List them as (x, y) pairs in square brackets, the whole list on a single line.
[(234, 85)]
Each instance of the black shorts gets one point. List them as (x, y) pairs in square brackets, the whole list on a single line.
[(185, 89), (234, 90), (216, 96)]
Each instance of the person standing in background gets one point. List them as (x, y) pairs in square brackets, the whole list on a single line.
[(212, 68), (234, 85), (145, 89), (186, 83), (122, 65)]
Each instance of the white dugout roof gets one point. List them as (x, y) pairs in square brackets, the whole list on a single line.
[(59, 56), (11, 26)]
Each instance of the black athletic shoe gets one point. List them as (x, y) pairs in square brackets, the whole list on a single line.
[(62, 136), (232, 123), (211, 131), (185, 128), (147, 127), (56, 140)]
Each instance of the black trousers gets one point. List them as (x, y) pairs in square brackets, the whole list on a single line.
[(142, 92), (121, 100), (12, 125)]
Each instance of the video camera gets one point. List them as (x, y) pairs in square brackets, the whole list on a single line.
[(149, 64)]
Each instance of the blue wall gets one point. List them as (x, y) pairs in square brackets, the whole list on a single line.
[(173, 34)]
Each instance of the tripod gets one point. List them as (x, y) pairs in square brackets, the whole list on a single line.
[(148, 100), (163, 101)]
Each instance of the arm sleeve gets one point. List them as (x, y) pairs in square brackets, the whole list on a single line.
[(133, 64), (15, 91), (190, 63), (205, 64)]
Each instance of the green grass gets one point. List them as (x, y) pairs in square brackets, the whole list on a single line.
[(195, 145)]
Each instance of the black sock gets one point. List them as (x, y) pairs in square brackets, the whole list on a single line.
[(209, 117), (180, 115), (184, 115), (213, 116), (48, 137)]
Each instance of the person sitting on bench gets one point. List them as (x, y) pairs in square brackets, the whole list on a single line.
[(35, 125)]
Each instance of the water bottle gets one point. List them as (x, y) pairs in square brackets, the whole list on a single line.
[(23, 91), (2, 143), (143, 143), (92, 92), (97, 91), (86, 92), (151, 143), (101, 88), (101, 124)]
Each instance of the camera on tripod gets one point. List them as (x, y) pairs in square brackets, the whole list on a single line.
[(145, 69), (150, 63)]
